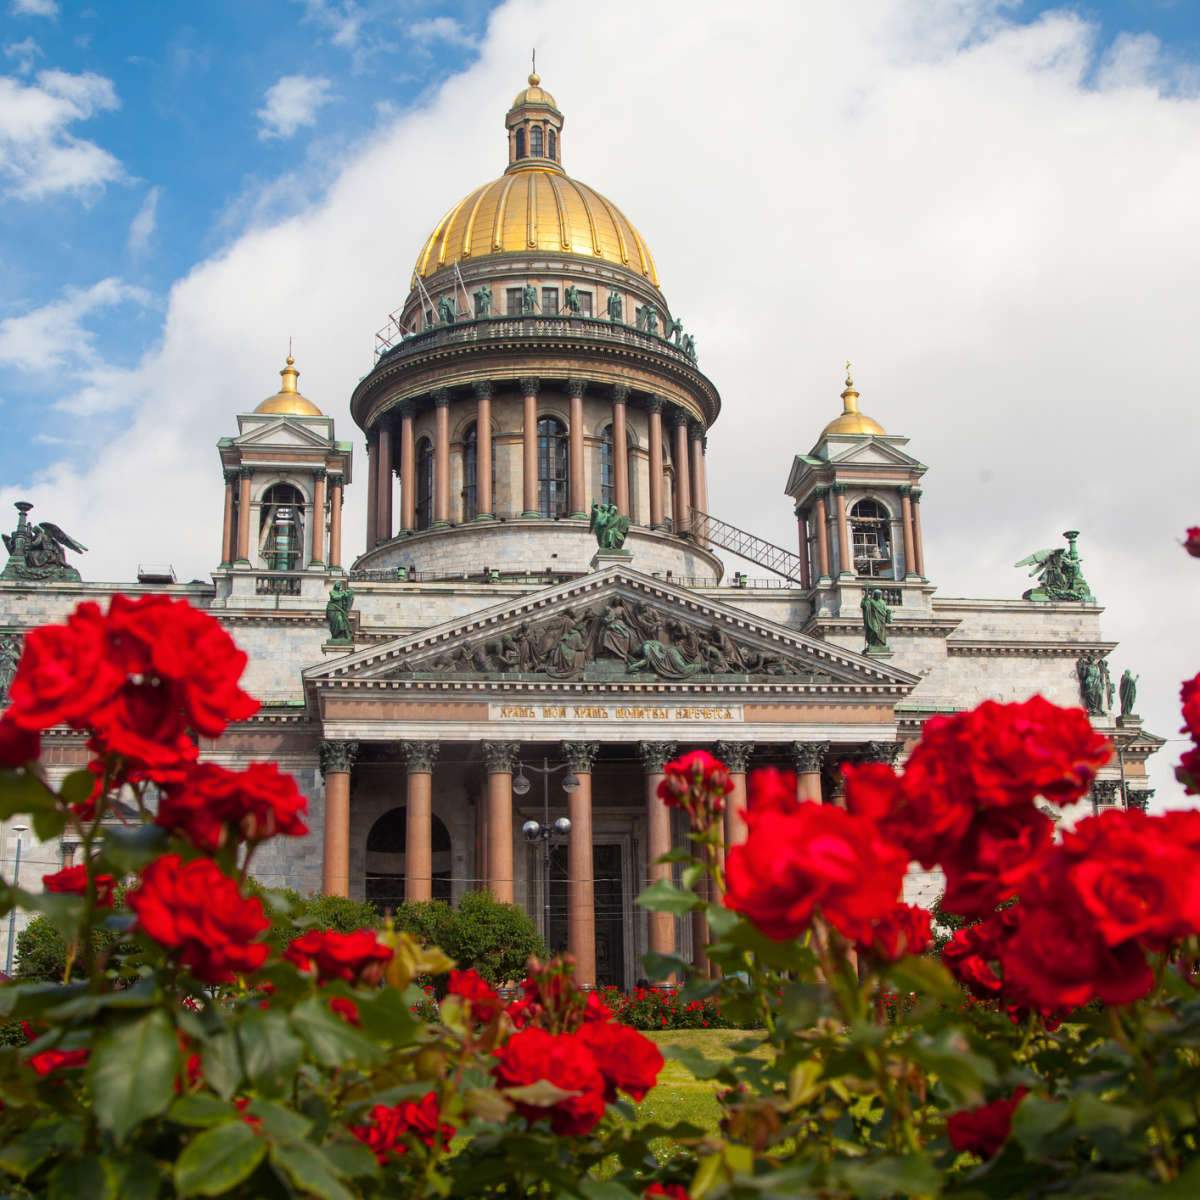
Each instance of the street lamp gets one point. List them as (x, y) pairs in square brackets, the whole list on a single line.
[(12, 914), (543, 831)]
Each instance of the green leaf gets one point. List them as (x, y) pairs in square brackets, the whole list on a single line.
[(128, 848), (221, 1063), (29, 1149), (663, 896), (77, 787), (1035, 1120), (139, 1176), (912, 1175), (48, 823), (218, 1160), (331, 1041), (605, 1189), (278, 1121), (385, 1016), (948, 1054), (143, 993), (90, 1178), (132, 1072), (23, 792), (926, 977), (309, 1171), (201, 1111), (693, 1060), (663, 966), (721, 920), (24, 1000), (1093, 1113), (352, 1158), (270, 1051)]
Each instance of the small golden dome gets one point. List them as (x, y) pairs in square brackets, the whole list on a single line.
[(534, 94), (851, 420), (288, 401)]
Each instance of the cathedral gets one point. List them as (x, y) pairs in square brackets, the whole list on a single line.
[(479, 689)]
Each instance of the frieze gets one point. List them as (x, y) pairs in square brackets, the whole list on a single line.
[(640, 713)]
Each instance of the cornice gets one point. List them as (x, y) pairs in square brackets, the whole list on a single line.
[(996, 647), (941, 627)]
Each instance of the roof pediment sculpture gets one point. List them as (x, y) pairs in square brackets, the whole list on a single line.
[(39, 552), (1059, 574), (609, 526)]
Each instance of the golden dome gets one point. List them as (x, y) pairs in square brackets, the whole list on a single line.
[(851, 420), (288, 401), (534, 94), (536, 208)]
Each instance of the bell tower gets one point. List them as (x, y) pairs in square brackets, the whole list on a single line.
[(285, 480)]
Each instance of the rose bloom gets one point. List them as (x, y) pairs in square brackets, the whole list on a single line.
[(357, 957), (1189, 697), (483, 1000), (1000, 850), (697, 783), (770, 789), (628, 1061), (906, 929), (72, 881), (345, 1008), (563, 1060), (814, 857), (18, 746), (985, 1129), (1192, 544), (1188, 771), (673, 1191), (45, 1062), (197, 912), (970, 953), (392, 1130)]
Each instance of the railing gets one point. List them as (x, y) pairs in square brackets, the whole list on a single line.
[(277, 585), (706, 528)]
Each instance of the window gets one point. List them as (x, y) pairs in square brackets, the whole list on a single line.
[(549, 301), (281, 528), (470, 475), (552, 467), (520, 143), (424, 506), (608, 490), (535, 142), (553, 145), (513, 301), (871, 537), (585, 304)]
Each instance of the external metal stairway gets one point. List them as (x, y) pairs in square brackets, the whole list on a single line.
[(706, 528)]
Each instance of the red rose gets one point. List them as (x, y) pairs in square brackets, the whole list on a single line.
[(768, 789), (392, 1130), (47, 1061), (594, 1009), (673, 1191), (628, 1061), (18, 746), (563, 1060), (356, 957), (144, 723), (483, 1000), (814, 857), (985, 1129), (999, 851), (697, 783), (1188, 771), (345, 1008), (905, 930), (195, 910), (1189, 696), (971, 953), (1192, 544), (72, 881)]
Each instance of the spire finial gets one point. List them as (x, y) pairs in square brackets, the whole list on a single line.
[(534, 77), (290, 359), (289, 374), (849, 395), (849, 377)]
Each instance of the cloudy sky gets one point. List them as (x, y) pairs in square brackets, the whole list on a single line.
[(989, 206)]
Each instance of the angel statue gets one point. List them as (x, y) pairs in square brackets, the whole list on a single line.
[(609, 526), (337, 612), (39, 551), (1059, 573)]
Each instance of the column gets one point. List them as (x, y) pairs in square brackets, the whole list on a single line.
[(243, 521), (918, 542), (337, 761), (581, 886), (418, 836), (620, 449), (809, 758), (821, 520), (335, 521), (704, 474), (575, 390), (408, 468), (661, 925), (697, 450), (383, 484), (736, 756), (372, 488), (227, 522), (845, 558), (683, 486), (499, 758), (906, 521), (318, 519), (802, 537), (655, 408), (441, 458), (529, 447), (483, 451)]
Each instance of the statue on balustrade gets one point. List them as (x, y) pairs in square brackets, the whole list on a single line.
[(688, 345), (610, 528), (483, 301), (571, 300), (528, 300), (38, 552), (1128, 693), (647, 319), (1091, 683), (10, 656), (673, 330), (876, 618), (446, 312), (1059, 572), (337, 612), (1110, 688), (616, 312)]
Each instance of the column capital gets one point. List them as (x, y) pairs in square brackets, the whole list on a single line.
[(483, 388), (838, 489), (581, 755), (736, 755), (1138, 798), (530, 385), (881, 752), (656, 755), (406, 409), (245, 472), (654, 404), (809, 756), (679, 417), (576, 388), (231, 475), (419, 757), (620, 393), (1105, 792), (819, 493), (441, 397), (916, 495), (800, 513), (338, 757), (696, 429), (905, 489), (500, 757), (321, 474)]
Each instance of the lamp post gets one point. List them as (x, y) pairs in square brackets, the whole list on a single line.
[(12, 915), (543, 831)]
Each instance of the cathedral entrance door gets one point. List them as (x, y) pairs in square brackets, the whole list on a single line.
[(612, 918)]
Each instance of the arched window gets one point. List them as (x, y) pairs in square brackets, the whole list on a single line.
[(386, 859), (535, 142), (553, 145), (281, 528), (552, 467), (470, 474), (870, 531), (608, 483), (424, 506), (520, 143)]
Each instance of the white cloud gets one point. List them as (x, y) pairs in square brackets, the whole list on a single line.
[(24, 53), (38, 156), (141, 228), (1002, 239), (441, 29), (291, 102), (34, 8), (344, 20)]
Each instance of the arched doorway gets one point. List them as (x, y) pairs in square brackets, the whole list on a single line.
[(385, 859)]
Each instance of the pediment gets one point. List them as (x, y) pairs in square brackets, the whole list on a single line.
[(282, 433), (873, 451), (615, 626)]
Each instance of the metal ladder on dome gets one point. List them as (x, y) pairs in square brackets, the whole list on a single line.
[(707, 528)]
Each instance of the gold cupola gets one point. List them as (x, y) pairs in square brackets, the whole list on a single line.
[(288, 400), (535, 206), (851, 420)]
